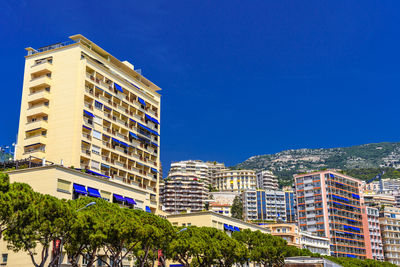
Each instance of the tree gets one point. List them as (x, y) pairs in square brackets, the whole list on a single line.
[(231, 251), (42, 222), (237, 208)]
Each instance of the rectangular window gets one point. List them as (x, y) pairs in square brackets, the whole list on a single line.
[(96, 150), (98, 120), (95, 164), (4, 257), (63, 185), (98, 105), (96, 134)]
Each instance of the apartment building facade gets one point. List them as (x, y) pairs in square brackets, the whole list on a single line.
[(329, 205), (234, 180), (291, 207), (264, 205), (267, 180), (389, 220), (314, 243), (288, 232), (184, 192), (372, 229), (83, 108)]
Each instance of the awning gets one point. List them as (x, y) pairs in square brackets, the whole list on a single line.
[(87, 127), (116, 141), (148, 209), (118, 87), (80, 189), (98, 103), (141, 101), (133, 120), (99, 88), (119, 198), (152, 119), (226, 227), (88, 113), (130, 201), (107, 107), (93, 192), (154, 170), (236, 229), (105, 166), (154, 144), (133, 135), (148, 129), (96, 173)]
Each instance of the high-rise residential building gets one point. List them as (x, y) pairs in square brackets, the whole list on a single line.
[(264, 205), (290, 203), (373, 240), (184, 192), (234, 180), (84, 108), (204, 170), (389, 220), (267, 180), (377, 200), (329, 205)]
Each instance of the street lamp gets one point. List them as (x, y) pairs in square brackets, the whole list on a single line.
[(183, 229), (62, 241)]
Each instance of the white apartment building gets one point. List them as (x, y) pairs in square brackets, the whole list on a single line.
[(264, 205), (249, 200), (314, 243), (375, 233), (267, 180), (235, 180)]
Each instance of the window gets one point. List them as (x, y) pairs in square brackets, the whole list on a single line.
[(96, 134), (96, 150), (95, 164), (4, 257), (98, 120), (98, 105), (63, 186)]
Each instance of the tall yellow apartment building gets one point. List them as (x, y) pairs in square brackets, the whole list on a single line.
[(83, 108)]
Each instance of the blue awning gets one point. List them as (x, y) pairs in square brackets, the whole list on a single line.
[(226, 227), (133, 120), (130, 201), (148, 129), (98, 103), (236, 229), (141, 101), (154, 170), (231, 228), (221, 211), (93, 192), (99, 88), (152, 119), (80, 189), (88, 113), (87, 127), (148, 209), (105, 166), (107, 107), (96, 173), (154, 144), (133, 135), (119, 198), (118, 87)]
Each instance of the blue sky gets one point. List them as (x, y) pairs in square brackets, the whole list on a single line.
[(239, 78)]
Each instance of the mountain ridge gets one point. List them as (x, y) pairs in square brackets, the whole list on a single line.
[(288, 162)]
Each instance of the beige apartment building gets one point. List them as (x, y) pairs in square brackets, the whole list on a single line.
[(234, 180), (389, 220), (84, 108)]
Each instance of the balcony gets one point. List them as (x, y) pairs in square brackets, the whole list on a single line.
[(36, 151), (40, 81), (37, 110), (40, 95), (36, 139), (36, 124), (44, 66)]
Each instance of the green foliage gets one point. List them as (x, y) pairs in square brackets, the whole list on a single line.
[(237, 208), (349, 262)]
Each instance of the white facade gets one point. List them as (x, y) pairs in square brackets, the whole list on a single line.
[(316, 244), (267, 180), (249, 200)]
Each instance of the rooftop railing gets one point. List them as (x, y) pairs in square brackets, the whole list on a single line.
[(50, 47)]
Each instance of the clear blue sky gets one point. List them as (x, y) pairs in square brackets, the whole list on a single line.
[(239, 78)]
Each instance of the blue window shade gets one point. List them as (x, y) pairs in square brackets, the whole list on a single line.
[(355, 196), (105, 166), (331, 175), (226, 227), (154, 170), (152, 119), (119, 198), (88, 113), (130, 201), (133, 135), (148, 209), (116, 141), (141, 101), (86, 127), (154, 144), (236, 229), (96, 173), (118, 87), (97, 104), (221, 211), (392, 215), (80, 189), (148, 129), (105, 107), (93, 192), (133, 120)]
